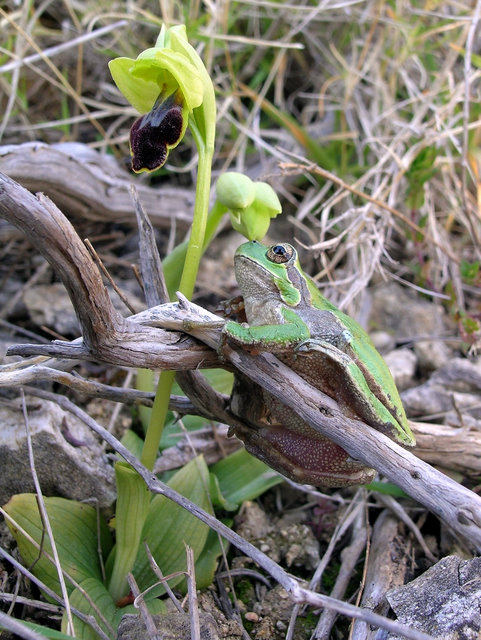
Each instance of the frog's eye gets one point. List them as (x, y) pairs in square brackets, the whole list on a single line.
[(280, 253)]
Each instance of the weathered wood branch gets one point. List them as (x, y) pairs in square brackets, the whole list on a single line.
[(107, 336), (91, 185), (139, 342)]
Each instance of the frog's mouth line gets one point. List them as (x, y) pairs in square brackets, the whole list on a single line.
[(302, 458)]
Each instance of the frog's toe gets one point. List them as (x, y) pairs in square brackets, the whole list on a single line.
[(311, 344)]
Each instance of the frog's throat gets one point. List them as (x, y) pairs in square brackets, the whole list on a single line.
[(305, 459), (286, 281)]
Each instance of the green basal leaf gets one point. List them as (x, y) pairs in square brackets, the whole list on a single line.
[(242, 477), (168, 527), (154, 605), (206, 563), (388, 488), (74, 527), (220, 379), (130, 513), (217, 497), (52, 634), (133, 442), (97, 603)]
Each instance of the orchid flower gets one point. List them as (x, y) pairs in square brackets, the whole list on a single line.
[(170, 86)]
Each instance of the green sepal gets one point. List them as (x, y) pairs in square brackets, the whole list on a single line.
[(153, 72)]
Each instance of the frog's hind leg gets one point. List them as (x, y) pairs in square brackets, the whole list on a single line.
[(341, 378)]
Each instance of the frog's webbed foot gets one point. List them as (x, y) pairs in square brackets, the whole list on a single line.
[(340, 340), (232, 307)]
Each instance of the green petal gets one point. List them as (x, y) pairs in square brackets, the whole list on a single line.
[(140, 92)]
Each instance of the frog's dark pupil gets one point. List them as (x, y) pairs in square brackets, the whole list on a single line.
[(279, 253)]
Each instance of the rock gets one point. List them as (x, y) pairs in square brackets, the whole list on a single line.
[(383, 341), (292, 541), (298, 545), (68, 459), (402, 364), (456, 387), (171, 626), (443, 601), (401, 312), (50, 306)]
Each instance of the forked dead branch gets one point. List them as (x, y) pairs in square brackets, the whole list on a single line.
[(181, 337)]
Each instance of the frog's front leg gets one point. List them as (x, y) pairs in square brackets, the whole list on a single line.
[(269, 337)]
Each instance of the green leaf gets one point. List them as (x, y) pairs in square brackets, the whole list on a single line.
[(168, 527), (421, 170), (45, 631), (74, 527), (130, 513), (133, 442), (470, 325), (243, 477), (469, 271), (99, 604), (220, 379), (206, 564), (388, 488), (154, 605)]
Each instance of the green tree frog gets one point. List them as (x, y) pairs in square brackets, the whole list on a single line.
[(287, 316)]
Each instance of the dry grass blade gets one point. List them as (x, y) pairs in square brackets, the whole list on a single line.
[(46, 523)]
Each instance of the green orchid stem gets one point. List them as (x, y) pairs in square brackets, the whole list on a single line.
[(157, 419), (201, 208), (174, 262), (194, 252)]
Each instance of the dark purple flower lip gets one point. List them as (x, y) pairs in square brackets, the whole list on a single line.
[(153, 134)]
